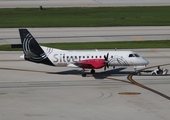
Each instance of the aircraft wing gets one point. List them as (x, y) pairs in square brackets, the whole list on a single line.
[(83, 65), (90, 63)]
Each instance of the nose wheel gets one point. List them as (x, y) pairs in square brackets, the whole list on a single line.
[(83, 73)]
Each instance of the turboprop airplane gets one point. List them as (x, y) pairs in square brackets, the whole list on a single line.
[(82, 59)]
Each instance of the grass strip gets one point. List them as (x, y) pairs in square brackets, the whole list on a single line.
[(100, 45), (85, 17)]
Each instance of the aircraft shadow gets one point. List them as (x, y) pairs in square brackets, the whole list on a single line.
[(68, 72), (113, 72), (97, 75)]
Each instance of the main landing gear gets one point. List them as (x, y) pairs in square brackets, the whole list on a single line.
[(84, 74), (92, 71)]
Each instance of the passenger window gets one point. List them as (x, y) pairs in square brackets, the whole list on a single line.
[(91, 56), (96, 56)]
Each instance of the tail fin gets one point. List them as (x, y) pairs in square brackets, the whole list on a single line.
[(32, 50)]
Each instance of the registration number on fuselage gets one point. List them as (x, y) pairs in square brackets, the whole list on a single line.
[(62, 64)]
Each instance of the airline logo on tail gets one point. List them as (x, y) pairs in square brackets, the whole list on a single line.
[(32, 50)]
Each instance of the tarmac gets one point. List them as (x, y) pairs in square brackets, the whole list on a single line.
[(35, 91), (88, 34)]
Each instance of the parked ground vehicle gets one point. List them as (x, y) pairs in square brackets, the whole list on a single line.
[(155, 72)]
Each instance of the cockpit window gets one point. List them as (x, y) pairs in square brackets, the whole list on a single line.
[(134, 55), (131, 55), (137, 55)]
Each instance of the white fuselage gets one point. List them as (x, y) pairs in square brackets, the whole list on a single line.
[(116, 58)]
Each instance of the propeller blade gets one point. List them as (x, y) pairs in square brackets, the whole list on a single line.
[(106, 57), (107, 65), (106, 61)]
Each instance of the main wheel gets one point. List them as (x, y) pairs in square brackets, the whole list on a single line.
[(92, 71), (83, 74)]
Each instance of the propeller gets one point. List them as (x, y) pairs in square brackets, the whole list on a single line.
[(106, 61)]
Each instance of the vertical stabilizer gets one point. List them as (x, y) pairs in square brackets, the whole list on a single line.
[(32, 50)]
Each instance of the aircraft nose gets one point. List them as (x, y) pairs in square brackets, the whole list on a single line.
[(145, 62)]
